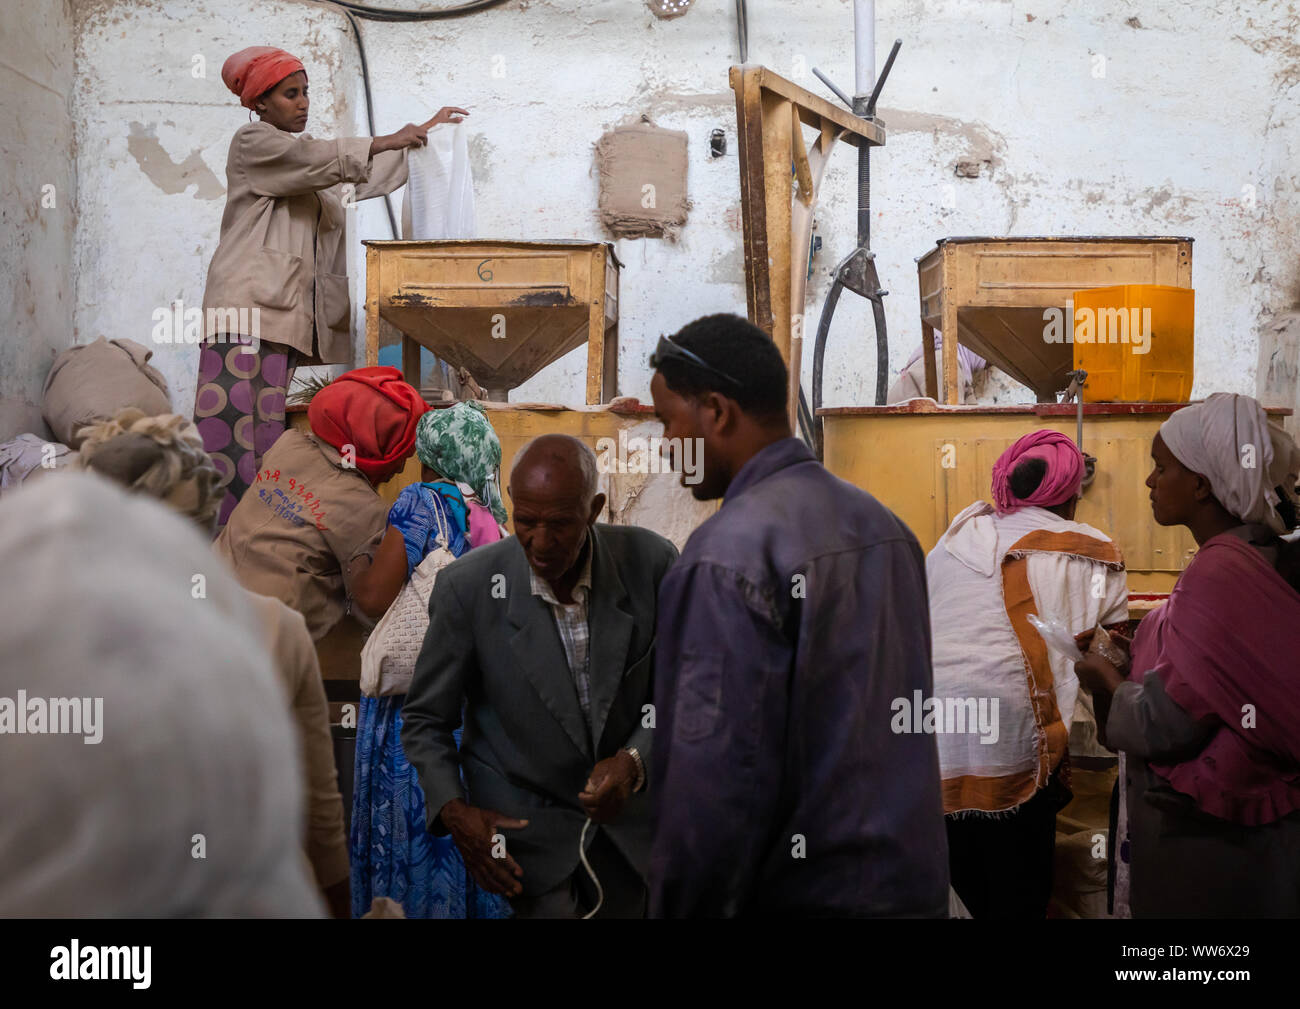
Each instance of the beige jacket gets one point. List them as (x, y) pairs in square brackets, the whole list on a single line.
[(282, 248), (295, 661), (304, 530)]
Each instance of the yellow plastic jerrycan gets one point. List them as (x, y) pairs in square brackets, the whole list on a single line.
[(1136, 343)]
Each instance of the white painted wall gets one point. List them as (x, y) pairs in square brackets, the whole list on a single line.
[(36, 240), (1193, 107), (154, 124)]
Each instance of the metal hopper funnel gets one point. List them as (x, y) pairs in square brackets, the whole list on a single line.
[(502, 309)]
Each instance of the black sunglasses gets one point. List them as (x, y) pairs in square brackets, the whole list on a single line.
[(666, 350)]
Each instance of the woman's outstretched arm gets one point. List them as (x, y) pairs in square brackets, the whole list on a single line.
[(375, 588)]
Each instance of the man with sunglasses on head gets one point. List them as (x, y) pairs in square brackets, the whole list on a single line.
[(795, 618)]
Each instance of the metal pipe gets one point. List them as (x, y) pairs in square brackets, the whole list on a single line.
[(882, 346), (864, 46), (864, 79), (807, 426), (880, 81), (819, 357), (742, 29), (831, 84), (864, 195)]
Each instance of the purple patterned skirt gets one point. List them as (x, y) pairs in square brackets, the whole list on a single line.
[(239, 409)]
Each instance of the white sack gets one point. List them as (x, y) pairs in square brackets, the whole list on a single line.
[(440, 187)]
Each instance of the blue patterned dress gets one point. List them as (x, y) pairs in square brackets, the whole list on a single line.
[(393, 854)]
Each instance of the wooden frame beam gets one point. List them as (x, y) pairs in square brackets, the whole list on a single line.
[(780, 182)]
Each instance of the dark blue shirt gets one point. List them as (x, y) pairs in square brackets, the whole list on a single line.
[(794, 618)]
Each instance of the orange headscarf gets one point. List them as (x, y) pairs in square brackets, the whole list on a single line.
[(375, 411), (252, 72)]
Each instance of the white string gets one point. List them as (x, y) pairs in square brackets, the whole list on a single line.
[(443, 520), (582, 854)]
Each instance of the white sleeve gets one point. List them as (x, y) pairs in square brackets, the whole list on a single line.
[(1078, 593)]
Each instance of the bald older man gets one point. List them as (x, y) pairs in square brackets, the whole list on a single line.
[(545, 642)]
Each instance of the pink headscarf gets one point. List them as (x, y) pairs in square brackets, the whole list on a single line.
[(252, 72), (1062, 481)]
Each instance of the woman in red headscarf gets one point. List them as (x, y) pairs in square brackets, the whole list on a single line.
[(307, 530), (277, 290)]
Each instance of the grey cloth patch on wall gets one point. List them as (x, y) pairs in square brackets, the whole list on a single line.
[(642, 181)]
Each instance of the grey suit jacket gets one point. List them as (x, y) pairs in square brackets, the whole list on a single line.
[(493, 651)]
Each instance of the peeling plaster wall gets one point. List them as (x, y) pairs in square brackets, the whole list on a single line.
[(36, 242), (997, 125), (154, 125)]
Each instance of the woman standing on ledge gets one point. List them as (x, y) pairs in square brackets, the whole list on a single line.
[(277, 290)]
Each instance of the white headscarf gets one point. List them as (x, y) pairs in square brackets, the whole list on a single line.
[(1229, 441), (105, 600)]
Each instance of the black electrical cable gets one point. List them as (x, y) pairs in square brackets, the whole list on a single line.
[(352, 11), (391, 14), (370, 111)]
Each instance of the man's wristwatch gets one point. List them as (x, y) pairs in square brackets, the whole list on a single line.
[(638, 782)]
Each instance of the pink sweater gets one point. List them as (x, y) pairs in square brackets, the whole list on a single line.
[(483, 528)]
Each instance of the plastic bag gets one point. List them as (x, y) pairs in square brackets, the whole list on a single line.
[(1058, 636), (1104, 645), (440, 187)]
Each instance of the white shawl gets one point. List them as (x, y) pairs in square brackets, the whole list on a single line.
[(190, 804), (976, 653), (1229, 441)]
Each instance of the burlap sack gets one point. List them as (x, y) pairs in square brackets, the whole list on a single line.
[(1082, 836), (93, 381)]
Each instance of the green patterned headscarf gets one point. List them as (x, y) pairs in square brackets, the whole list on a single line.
[(461, 445)]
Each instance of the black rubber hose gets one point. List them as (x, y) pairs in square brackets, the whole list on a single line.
[(352, 11), (397, 14)]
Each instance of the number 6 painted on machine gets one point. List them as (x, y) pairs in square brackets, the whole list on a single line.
[(484, 275)]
